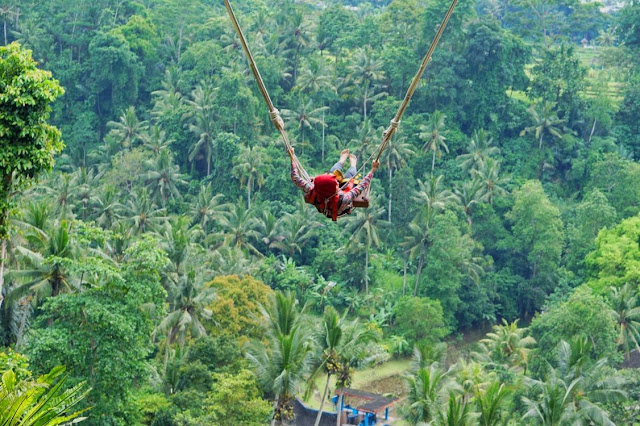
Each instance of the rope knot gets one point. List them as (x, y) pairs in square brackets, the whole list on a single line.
[(392, 128), (277, 120)]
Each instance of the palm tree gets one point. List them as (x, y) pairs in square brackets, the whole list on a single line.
[(305, 116), (508, 344), (282, 366), (419, 239), (434, 135), (426, 394), (297, 35), (467, 195), (202, 124), (207, 207), (365, 72), (625, 308), (169, 97), (365, 136), (363, 229), (156, 140), (177, 239), (106, 206), (128, 130), (395, 156), (490, 403), (250, 167), (269, 228), (430, 195), (297, 230), (458, 413), (238, 228), (338, 338), (606, 38), (479, 149), (315, 78), (45, 272), (143, 214), (546, 121), (571, 393), (490, 180), (41, 401), (163, 178), (188, 308)]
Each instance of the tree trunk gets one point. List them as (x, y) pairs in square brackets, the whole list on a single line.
[(324, 397), (323, 134), (3, 255), (433, 161), (593, 129), (390, 189), (419, 271), (23, 322), (540, 142), (208, 165), (249, 193), (404, 278), (339, 410), (5, 31), (366, 271)]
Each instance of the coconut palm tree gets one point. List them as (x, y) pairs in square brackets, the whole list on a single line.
[(163, 178), (546, 121), (365, 137), (169, 97), (365, 72), (427, 391), (395, 156), (143, 213), (269, 228), (202, 124), (491, 402), (128, 129), (40, 401), (177, 238), (297, 229), (490, 180), (282, 366), (507, 344), (430, 195), (338, 338), (479, 149), (625, 307), (418, 240), (106, 206), (304, 115), (188, 308), (156, 140), (363, 229), (468, 195), (434, 135), (315, 77), (207, 207), (44, 272), (238, 228), (251, 165), (458, 413)]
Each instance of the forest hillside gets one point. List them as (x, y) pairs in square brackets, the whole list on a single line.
[(159, 266)]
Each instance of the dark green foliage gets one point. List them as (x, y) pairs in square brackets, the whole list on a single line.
[(419, 320)]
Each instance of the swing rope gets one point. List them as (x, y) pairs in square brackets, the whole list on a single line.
[(274, 114)]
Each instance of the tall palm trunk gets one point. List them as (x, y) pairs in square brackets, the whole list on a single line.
[(366, 270), (323, 133), (324, 398), (419, 271), (404, 278), (390, 188), (208, 165), (3, 254), (339, 410), (433, 161), (249, 193)]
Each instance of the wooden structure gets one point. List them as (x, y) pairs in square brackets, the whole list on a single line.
[(368, 411)]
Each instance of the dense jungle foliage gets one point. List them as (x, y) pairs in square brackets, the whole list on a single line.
[(166, 271)]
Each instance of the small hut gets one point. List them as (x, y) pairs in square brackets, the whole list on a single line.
[(363, 408)]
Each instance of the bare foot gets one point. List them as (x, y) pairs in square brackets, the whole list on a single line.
[(343, 155), (353, 161)]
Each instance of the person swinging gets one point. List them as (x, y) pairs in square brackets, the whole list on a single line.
[(332, 193)]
